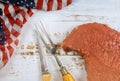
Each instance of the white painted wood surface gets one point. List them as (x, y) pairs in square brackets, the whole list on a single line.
[(27, 68)]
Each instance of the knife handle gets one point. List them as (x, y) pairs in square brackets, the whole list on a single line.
[(46, 77)]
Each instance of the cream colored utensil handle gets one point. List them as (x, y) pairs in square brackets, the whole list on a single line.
[(46, 77)]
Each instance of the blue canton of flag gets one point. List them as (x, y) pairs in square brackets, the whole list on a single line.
[(2, 35), (1, 12), (23, 3)]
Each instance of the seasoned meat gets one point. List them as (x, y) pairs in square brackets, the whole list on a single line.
[(100, 47)]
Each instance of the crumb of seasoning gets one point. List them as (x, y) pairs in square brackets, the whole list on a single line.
[(36, 46), (59, 50), (22, 53), (75, 53), (79, 64), (27, 53), (73, 59), (30, 47), (36, 51), (66, 33), (22, 46), (31, 53), (70, 67), (47, 51), (57, 34), (57, 46)]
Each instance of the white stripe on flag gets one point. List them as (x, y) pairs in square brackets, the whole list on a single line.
[(7, 52), (20, 17), (0, 55), (35, 1), (13, 45), (12, 11), (26, 14), (1, 64), (44, 7), (55, 2), (17, 28), (12, 37), (7, 23), (64, 3)]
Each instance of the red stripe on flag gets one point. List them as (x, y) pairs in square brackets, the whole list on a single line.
[(39, 4), (15, 33), (30, 13), (59, 5), (17, 9), (16, 42), (20, 11), (10, 50), (19, 22), (4, 57), (69, 2), (8, 14), (49, 5), (8, 39)]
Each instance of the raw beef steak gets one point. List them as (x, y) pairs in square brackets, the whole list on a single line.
[(100, 47)]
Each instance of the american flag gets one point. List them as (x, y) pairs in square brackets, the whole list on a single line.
[(13, 15)]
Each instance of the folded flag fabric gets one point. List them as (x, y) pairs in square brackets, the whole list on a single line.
[(13, 15)]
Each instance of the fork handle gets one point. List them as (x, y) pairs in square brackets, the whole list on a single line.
[(68, 77), (46, 77)]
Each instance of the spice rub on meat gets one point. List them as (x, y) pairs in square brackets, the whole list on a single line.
[(100, 47)]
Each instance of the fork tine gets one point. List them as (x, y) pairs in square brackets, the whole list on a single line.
[(42, 39), (37, 30), (65, 74), (44, 30)]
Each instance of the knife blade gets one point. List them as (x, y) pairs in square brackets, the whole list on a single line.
[(46, 76)]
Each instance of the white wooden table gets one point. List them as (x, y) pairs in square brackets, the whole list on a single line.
[(24, 65)]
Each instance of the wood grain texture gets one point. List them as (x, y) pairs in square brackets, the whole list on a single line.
[(27, 68)]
